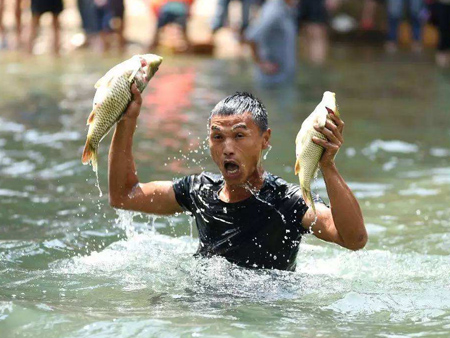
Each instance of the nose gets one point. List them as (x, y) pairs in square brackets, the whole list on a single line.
[(228, 148)]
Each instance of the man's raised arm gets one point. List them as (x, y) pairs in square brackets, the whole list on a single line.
[(343, 224), (125, 191)]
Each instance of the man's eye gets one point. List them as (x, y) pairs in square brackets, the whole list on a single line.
[(217, 137), (239, 135)]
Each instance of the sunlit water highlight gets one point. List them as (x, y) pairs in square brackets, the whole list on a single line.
[(70, 266)]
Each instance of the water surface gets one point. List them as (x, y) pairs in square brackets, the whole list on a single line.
[(71, 266)]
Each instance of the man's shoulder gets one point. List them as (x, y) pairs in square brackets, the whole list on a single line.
[(281, 188), (195, 181), (206, 177)]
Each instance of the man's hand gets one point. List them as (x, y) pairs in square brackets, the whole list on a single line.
[(134, 108), (333, 133), (343, 222), (268, 67)]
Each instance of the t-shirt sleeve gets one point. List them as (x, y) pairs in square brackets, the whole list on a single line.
[(182, 188), (296, 207)]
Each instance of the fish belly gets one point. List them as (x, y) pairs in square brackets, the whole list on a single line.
[(309, 157)]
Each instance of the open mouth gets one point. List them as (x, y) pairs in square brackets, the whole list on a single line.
[(231, 167)]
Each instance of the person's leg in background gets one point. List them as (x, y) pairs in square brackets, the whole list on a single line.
[(18, 19), (395, 13), (3, 43), (220, 16), (416, 8), (34, 26), (117, 22), (368, 15), (56, 33), (443, 21), (315, 16)]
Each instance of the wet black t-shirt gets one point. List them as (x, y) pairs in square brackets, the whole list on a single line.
[(263, 231)]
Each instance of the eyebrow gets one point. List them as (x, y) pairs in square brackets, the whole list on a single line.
[(213, 127), (239, 125)]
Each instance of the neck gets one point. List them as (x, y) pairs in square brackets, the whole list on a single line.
[(238, 192)]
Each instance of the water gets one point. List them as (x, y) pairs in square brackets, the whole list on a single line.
[(70, 266)]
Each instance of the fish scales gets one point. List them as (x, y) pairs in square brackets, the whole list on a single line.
[(111, 109), (113, 97)]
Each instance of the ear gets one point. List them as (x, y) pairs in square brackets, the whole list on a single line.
[(266, 138)]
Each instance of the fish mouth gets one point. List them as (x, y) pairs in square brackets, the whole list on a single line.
[(232, 168)]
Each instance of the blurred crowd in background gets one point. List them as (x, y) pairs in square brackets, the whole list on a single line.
[(270, 27)]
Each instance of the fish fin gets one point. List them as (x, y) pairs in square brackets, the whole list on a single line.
[(106, 80), (108, 77), (307, 197), (109, 83), (100, 82), (89, 155), (91, 117), (133, 74), (297, 167)]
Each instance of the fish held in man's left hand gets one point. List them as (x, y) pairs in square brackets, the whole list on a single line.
[(112, 98), (307, 151)]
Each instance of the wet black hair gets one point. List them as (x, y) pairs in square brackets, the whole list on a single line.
[(241, 103)]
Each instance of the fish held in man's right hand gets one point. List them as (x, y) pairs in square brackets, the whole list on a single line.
[(113, 96)]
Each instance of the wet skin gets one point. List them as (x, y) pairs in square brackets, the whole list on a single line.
[(236, 144)]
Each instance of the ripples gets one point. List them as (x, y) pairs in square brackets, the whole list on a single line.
[(70, 268), (157, 276), (392, 146)]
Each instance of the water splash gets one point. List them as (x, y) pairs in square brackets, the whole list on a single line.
[(269, 148), (124, 221), (312, 224), (256, 195), (97, 184), (191, 227)]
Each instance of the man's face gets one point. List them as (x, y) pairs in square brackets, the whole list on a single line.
[(236, 143)]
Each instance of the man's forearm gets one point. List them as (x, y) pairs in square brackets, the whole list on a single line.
[(121, 167), (254, 51), (347, 215)]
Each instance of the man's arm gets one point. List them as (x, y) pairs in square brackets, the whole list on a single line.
[(343, 223), (266, 66), (125, 191)]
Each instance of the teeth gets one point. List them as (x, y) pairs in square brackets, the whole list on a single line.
[(232, 171)]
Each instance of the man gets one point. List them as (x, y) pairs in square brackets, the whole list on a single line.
[(272, 39), (248, 216)]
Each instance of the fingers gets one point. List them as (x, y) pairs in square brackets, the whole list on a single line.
[(331, 132), (137, 98), (134, 107), (326, 144), (335, 130), (338, 122)]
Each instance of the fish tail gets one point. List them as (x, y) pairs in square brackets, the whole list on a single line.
[(90, 155), (307, 196)]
